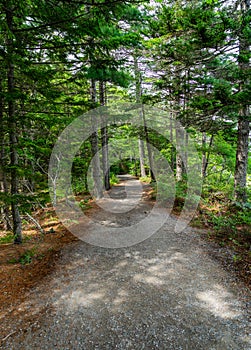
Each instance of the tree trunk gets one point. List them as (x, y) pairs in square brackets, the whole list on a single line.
[(142, 158), (180, 142), (104, 140), (138, 93), (205, 155), (12, 125), (179, 167), (240, 176), (96, 171), (172, 142), (148, 145), (5, 213), (179, 132)]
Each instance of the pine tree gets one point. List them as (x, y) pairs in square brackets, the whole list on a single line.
[(244, 112)]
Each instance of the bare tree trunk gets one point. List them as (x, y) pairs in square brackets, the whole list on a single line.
[(5, 213), (138, 93), (180, 142), (142, 158), (12, 125), (187, 97), (240, 176), (179, 133), (186, 153), (104, 140), (96, 171), (148, 145), (172, 143), (179, 167), (35, 222), (205, 155)]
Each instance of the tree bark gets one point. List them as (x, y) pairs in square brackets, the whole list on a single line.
[(172, 142), (5, 213), (179, 167), (240, 176), (205, 155), (12, 125), (142, 158), (148, 145), (96, 171), (180, 142), (104, 140), (138, 94), (179, 131)]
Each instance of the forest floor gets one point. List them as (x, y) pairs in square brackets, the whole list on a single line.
[(43, 284)]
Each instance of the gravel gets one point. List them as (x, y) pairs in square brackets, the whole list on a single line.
[(164, 293)]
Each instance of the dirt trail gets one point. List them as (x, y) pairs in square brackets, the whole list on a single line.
[(163, 293)]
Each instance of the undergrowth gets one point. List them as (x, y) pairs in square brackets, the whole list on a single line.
[(26, 257)]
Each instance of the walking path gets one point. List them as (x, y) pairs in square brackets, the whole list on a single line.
[(163, 293)]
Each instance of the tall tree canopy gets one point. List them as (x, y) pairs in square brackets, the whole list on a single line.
[(60, 59)]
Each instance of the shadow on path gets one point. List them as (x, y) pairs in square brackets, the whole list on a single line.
[(164, 293)]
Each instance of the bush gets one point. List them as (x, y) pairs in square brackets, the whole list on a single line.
[(146, 179), (233, 224), (113, 179)]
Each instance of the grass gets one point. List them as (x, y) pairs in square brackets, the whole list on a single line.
[(7, 238)]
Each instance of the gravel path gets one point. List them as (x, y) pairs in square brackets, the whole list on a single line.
[(163, 293)]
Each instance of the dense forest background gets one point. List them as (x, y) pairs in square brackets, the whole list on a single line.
[(60, 59)]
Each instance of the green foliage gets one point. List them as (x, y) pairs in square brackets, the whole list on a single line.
[(7, 238), (167, 191), (234, 223), (84, 204), (146, 179), (113, 179), (126, 166), (228, 224), (25, 258), (237, 258), (79, 186), (181, 189), (59, 47)]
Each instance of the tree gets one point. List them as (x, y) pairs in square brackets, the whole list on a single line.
[(138, 96), (104, 138), (96, 169), (201, 38), (240, 176), (46, 57), (12, 124)]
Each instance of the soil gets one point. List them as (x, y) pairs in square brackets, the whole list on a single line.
[(17, 279)]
